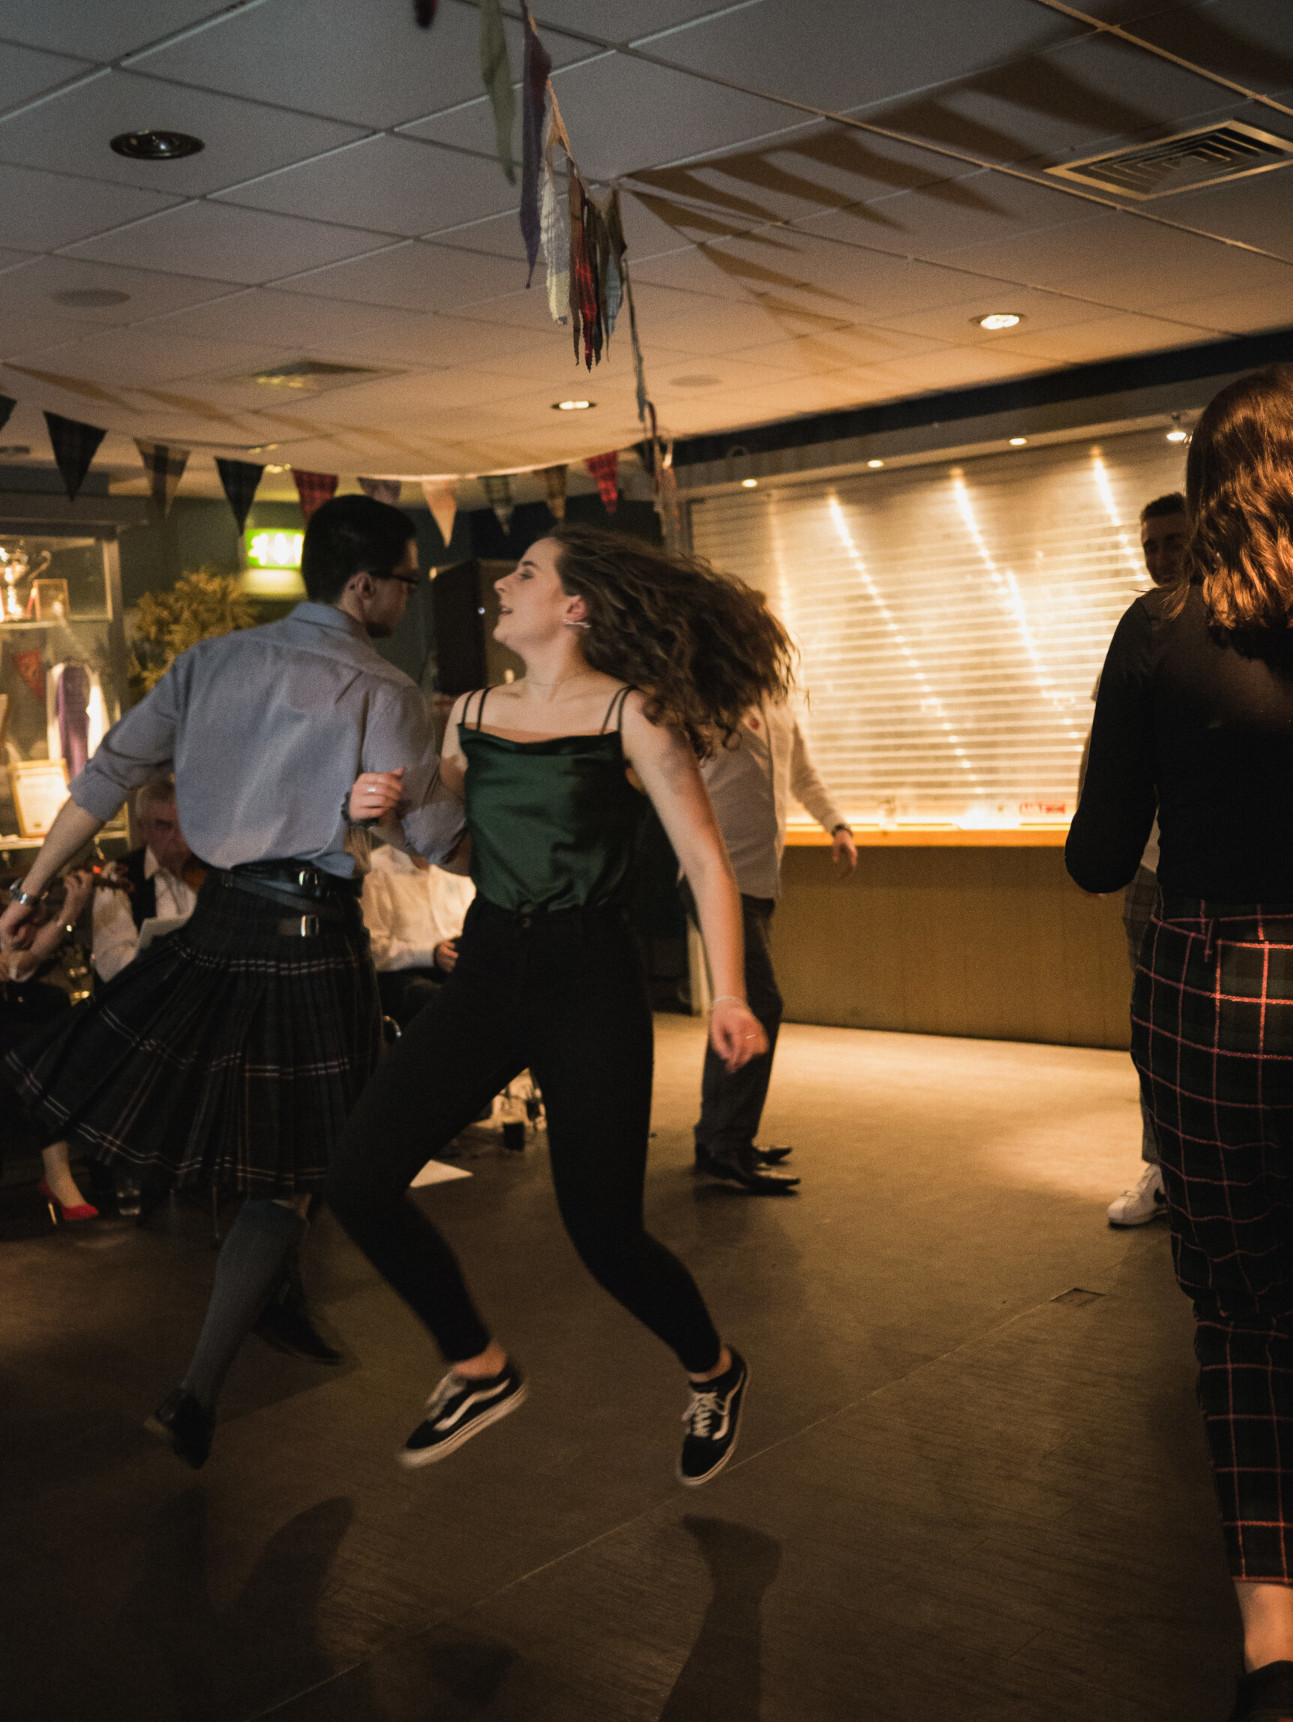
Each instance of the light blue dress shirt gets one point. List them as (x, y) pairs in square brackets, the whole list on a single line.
[(266, 731)]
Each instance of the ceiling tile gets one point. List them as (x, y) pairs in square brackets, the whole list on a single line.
[(499, 235), (942, 220), (103, 32), (1077, 98), (1257, 210), (1249, 41), (418, 277), (1235, 313), (39, 211), (368, 63), (26, 72), (71, 132), (620, 20), (472, 341), (836, 57), (137, 358), (398, 185), (624, 114), (1107, 338), (227, 244), (284, 318), (31, 288)]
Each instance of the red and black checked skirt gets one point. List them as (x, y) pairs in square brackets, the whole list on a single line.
[(225, 1054), (1212, 1039)]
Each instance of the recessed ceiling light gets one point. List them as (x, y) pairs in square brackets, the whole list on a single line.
[(156, 146), (90, 298), (749, 484), (1178, 435), (277, 469), (998, 320), (572, 406), (1018, 441), (875, 463)]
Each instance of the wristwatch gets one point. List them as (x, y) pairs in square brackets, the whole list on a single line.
[(20, 896), (841, 827)]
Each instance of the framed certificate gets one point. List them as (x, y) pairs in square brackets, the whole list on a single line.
[(39, 789)]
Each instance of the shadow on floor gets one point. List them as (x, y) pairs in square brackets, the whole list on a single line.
[(723, 1675)]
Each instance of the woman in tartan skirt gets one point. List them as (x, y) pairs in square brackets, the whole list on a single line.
[(1195, 715)]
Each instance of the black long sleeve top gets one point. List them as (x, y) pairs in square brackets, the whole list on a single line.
[(1200, 726)]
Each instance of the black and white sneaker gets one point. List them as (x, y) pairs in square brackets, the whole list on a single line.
[(712, 1422), (460, 1408)]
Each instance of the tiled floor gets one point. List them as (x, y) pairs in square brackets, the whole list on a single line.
[(956, 1498)]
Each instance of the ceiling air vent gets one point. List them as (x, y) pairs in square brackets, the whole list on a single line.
[(1203, 157), (312, 374)]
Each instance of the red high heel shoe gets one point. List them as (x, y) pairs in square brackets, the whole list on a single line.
[(59, 1211)]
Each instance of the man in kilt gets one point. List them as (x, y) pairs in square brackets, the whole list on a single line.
[(229, 1054)]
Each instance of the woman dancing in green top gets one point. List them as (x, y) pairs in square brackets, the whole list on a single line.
[(636, 662)]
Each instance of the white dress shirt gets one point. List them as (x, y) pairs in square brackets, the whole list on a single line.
[(410, 910), (751, 784), (115, 936)]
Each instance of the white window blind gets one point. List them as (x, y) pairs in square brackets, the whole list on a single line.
[(951, 618)]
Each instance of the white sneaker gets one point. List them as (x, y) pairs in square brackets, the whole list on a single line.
[(1144, 1202)]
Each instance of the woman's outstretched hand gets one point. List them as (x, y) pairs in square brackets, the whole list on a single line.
[(376, 795), (736, 1034)]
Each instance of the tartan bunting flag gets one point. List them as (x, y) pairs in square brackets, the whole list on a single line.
[(443, 505), (554, 484), (314, 489), (165, 468), (614, 286), (32, 671), (7, 404), (239, 478), (605, 469), (498, 493), (554, 230), (382, 490), (75, 446), (496, 74), (534, 89)]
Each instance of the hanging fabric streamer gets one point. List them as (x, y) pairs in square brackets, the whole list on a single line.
[(613, 294), (424, 11), (75, 446), (534, 88), (239, 478), (585, 315), (554, 485), (165, 467), (314, 489), (605, 469), (32, 671), (443, 505), (382, 490), (496, 74), (554, 225), (498, 493)]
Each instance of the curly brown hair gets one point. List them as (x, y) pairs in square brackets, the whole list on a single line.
[(701, 645), (1239, 500)]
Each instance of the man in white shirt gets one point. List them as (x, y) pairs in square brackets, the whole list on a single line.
[(154, 876), (751, 783), (414, 913)]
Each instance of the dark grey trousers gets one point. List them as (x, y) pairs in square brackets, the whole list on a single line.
[(731, 1105)]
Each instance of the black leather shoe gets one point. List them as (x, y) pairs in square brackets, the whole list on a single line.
[(772, 1156), (185, 1427), (285, 1324), (1265, 1695), (758, 1180)]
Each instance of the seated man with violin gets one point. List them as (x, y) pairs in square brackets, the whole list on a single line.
[(158, 881)]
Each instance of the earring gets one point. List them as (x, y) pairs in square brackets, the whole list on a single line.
[(576, 624)]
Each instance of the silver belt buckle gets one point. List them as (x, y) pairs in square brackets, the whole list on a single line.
[(309, 926)]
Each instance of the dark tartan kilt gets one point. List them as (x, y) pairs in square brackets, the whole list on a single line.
[(226, 1054), (1212, 1039)]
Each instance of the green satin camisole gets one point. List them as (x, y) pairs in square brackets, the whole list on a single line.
[(553, 823)]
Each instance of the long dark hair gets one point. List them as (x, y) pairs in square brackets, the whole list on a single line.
[(702, 646), (1239, 500)]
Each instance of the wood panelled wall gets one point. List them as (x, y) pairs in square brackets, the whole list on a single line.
[(993, 943)]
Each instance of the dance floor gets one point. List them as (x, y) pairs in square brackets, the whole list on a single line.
[(971, 1484)]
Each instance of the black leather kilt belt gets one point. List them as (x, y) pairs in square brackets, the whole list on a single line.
[(312, 895)]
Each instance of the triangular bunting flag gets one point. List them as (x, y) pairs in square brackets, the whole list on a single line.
[(239, 478), (314, 489), (534, 90), (165, 467), (7, 404), (29, 666), (605, 469), (498, 493), (75, 446), (496, 74), (554, 484), (382, 490), (443, 505)]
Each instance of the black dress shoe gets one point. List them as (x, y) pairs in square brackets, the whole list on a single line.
[(286, 1325), (186, 1428), (1265, 1695), (758, 1180), (772, 1156)]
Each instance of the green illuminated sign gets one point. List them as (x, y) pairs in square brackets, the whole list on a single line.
[(268, 549)]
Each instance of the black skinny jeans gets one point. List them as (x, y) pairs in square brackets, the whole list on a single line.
[(564, 995)]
